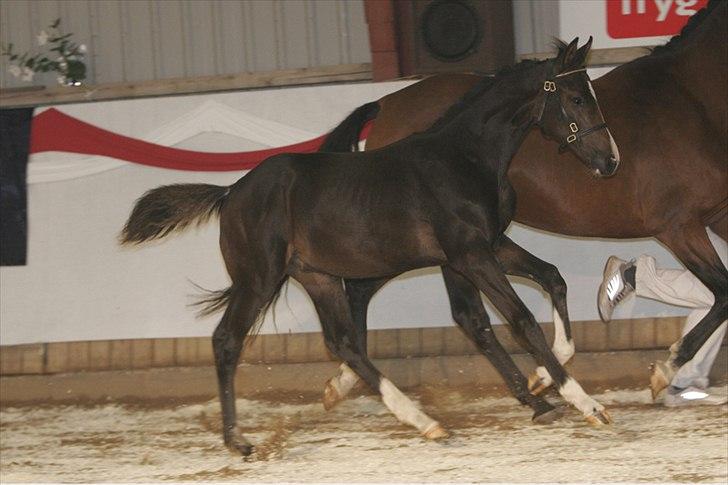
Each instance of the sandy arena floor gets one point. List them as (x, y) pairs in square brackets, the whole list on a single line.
[(360, 441)]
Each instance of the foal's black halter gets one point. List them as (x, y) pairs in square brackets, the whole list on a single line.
[(550, 87)]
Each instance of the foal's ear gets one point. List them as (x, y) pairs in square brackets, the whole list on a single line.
[(580, 55), (566, 54)]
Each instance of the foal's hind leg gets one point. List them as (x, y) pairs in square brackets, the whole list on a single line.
[(468, 311), (517, 261), (332, 306), (481, 267), (359, 292), (243, 308)]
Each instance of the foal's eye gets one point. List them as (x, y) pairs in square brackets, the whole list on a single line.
[(578, 100)]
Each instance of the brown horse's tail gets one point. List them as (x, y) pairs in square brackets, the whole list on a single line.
[(172, 208), (345, 137)]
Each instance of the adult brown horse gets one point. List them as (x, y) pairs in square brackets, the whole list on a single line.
[(668, 113)]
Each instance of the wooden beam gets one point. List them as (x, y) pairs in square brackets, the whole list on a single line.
[(11, 98), (601, 57)]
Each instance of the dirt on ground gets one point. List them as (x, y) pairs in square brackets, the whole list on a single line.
[(493, 440)]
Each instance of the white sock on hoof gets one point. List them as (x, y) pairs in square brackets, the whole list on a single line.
[(404, 409), (572, 392), (344, 381)]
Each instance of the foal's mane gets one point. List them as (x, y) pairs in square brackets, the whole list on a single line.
[(476, 91), (697, 19)]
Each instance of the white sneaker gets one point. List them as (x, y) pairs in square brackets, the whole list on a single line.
[(692, 396), (614, 288)]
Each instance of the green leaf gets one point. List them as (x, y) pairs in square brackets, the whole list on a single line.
[(56, 23)]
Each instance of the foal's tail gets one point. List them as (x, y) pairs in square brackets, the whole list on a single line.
[(345, 137), (170, 208)]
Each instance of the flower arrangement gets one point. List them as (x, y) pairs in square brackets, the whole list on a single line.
[(68, 62)]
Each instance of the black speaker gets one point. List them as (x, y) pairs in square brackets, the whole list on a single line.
[(454, 35)]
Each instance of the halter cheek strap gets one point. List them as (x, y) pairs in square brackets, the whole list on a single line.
[(549, 87)]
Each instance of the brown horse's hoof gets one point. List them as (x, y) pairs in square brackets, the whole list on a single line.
[(661, 375), (436, 432), (331, 396), (599, 418), (549, 416)]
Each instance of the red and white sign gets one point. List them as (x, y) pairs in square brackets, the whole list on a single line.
[(649, 18)]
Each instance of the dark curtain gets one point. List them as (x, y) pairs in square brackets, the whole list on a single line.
[(15, 127)]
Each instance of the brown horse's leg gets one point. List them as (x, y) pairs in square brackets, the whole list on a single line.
[(720, 227), (468, 311), (332, 306), (359, 292), (517, 261), (482, 268), (693, 247)]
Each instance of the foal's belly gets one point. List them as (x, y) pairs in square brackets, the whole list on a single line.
[(367, 252)]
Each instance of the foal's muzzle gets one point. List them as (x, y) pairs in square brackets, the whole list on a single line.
[(610, 167)]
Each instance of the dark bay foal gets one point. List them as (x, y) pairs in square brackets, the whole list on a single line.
[(439, 198)]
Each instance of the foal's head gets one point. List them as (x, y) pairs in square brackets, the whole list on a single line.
[(567, 111)]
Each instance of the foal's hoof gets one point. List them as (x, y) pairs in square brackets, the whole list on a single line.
[(331, 396), (548, 416), (536, 384), (436, 432), (599, 418), (238, 444), (245, 449), (661, 375)]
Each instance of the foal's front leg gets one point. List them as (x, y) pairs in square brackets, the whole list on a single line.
[(480, 266), (468, 312)]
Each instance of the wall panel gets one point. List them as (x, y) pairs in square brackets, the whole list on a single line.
[(138, 40), (231, 37), (137, 36), (109, 48), (171, 58)]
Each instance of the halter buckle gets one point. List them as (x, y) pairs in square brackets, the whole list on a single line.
[(549, 86), (571, 139), (573, 127)]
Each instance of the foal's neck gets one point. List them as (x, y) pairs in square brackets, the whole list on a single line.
[(490, 134)]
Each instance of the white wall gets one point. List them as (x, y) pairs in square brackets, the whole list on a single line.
[(79, 285)]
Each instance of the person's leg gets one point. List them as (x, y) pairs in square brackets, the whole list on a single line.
[(674, 286), (682, 288), (695, 372)]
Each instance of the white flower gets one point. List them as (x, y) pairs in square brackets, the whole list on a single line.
[(27, 74), (42, 37), (61, 79), (82, 48), (14, 70)]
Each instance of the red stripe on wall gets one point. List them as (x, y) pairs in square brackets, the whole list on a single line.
[(55, 131)]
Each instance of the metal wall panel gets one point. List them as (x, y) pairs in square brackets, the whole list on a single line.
[(137, 40), (536, 23)]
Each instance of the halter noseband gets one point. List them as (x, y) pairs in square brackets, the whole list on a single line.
[(550, 87)]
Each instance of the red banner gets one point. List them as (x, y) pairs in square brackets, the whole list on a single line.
[(56, 131), (649, 18)]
